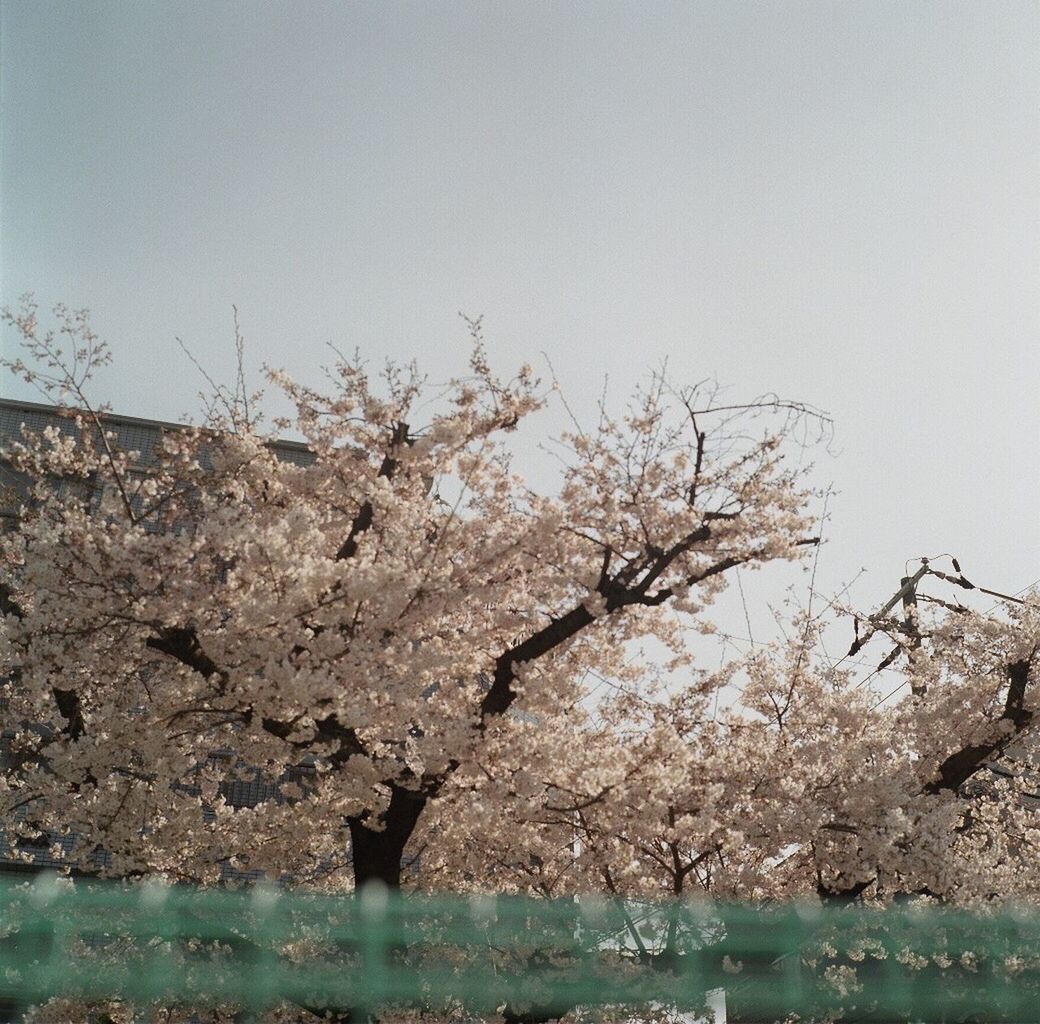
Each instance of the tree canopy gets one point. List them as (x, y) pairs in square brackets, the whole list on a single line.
[(402, 635)]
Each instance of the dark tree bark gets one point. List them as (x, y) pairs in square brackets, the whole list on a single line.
[(378, 846)]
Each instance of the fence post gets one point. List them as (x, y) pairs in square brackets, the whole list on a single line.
[(374, 899)]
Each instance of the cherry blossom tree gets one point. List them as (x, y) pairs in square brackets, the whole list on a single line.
[(406, 637), (398, 616), (807, 785)]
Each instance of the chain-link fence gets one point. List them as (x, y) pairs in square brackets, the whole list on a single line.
[(261, 947)]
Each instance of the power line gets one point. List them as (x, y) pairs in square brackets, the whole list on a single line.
[(892, 693)]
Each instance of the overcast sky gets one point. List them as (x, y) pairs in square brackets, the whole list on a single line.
[(839, 202)]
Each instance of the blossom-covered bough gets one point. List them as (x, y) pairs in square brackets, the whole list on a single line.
[(403, 635)]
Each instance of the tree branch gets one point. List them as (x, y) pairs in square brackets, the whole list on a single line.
[(960, 766), (363, 520), (559, 630), (182, 644)]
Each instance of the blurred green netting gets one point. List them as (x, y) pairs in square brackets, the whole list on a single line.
[(259, 947)]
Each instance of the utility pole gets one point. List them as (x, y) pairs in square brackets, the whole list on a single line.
[(907, 594), (908, 588)]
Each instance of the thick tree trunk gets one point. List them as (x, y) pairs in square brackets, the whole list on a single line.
[(378, 853)]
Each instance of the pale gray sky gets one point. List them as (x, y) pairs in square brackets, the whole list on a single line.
[(839, 202)]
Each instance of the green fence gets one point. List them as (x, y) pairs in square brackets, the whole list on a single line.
[(261, 947)]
